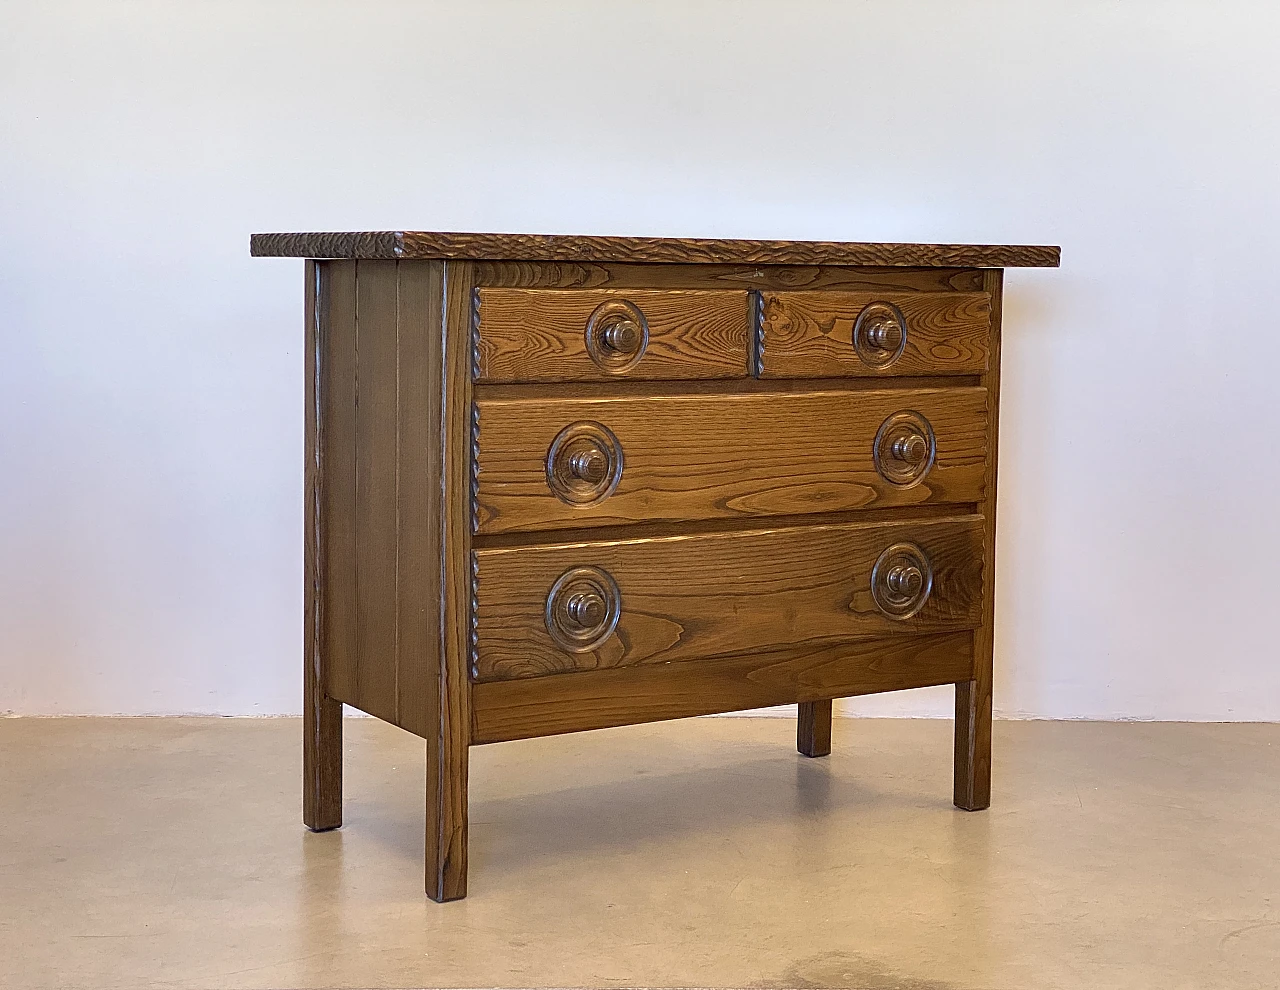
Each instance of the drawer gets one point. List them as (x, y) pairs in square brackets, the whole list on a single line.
[(817, 334), (565, 335), (585, 606), (555, 463)]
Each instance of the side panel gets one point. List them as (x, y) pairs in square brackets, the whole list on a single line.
[(380, 360)]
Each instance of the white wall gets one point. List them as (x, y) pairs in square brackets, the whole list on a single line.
[(151, 374)]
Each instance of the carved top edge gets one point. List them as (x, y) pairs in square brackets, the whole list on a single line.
[(409, 244)]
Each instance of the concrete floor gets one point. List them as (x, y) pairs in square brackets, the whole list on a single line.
[(169, 853)]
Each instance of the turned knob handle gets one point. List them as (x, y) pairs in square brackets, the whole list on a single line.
[(911, 448), (586, 608), (904, 579), (901, 580), (880, 334), (584, 463), (617, 335), (589, 465), (620, 335), (583, 608), (883, 333), (904, 448)]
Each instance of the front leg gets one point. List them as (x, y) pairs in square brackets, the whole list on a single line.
[(813, 728)]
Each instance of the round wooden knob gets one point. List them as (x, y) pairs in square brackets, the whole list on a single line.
[(905, 448), (617, 335), (880, 334), (904, 579), (583, 608), (901, 580), (586, 608), (590, 465), (584, 464), (911, 448), (621, 335)]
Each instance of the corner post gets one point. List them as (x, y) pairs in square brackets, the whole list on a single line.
[(450, 736), (972, 789), (321, 715)]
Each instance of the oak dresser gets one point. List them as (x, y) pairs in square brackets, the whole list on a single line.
[(557, 483)]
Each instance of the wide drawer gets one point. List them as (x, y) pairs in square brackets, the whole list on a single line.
[(561, 335), (584, 606), (555, 463), (817, 334)]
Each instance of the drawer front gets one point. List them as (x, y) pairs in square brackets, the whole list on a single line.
[(816, 334), (566, 335), (572, 462), (586, 606)]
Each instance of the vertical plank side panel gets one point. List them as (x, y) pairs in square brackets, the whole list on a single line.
[(813, 728), (419, 495), (972, 789), (321, 715), (376, 445), (446, 838), (337, 416)]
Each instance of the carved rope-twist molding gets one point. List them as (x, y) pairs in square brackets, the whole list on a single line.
[(475, 334), (475, 466), (474, 649)]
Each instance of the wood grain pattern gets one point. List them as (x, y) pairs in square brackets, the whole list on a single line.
[(420, 291), (575, 248), (538, 335), (447, 765), (321, 715), (599, 699), (686, 598), (724, 456), (630, 275), (810, 334), (972, 787), (380, 504), (813, 728), (376, 516), (338, 484)]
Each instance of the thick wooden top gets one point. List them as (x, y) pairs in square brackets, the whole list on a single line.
[(408, 244)]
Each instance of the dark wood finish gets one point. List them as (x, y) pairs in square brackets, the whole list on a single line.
[(405, 244), (722, 457), (446, 826), (337, 457), (809, 334), (420, 322), (321, 715), (562, 483), (538, 335), (381, 451), (599, 699), (686, 598), (631, 275), (392, 411), (972, 789), (813, 728), (377, 488)]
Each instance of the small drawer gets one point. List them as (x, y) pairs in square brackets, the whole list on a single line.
[(585, 606), (556, 463), (569, 335), (819, 334)]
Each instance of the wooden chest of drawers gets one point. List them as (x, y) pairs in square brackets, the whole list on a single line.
[(564, 483)]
